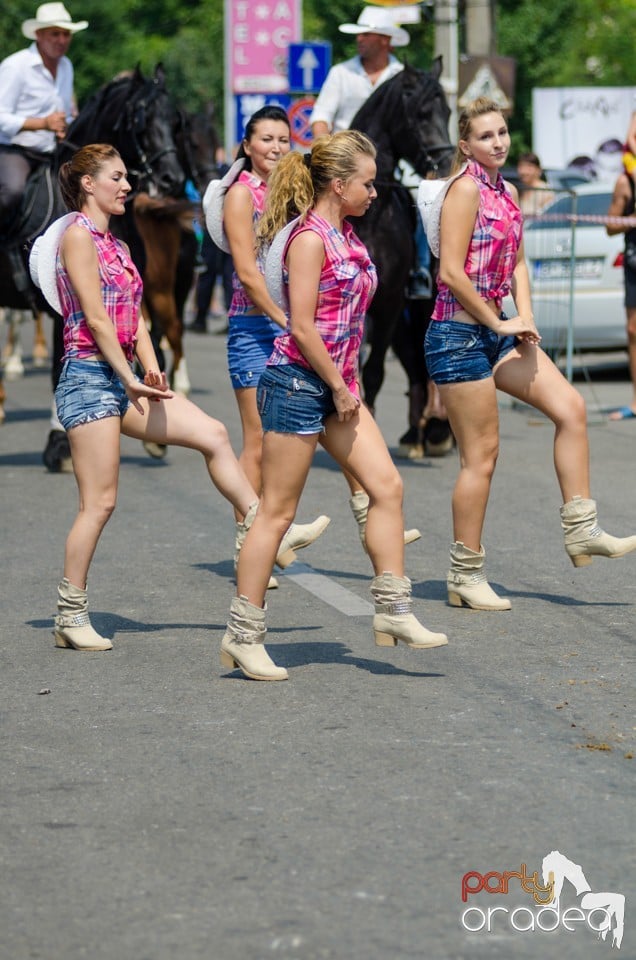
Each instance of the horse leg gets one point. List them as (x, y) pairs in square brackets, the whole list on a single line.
[(13, 366), (381, 321), (408, 347), (57, 453), (40, 347)]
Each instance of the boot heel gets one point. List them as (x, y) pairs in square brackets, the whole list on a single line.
[(384, 639), (60, 641), (227, 660), (454, 599), (581, 561), (285, 559)]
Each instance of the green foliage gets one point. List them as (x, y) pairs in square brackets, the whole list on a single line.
[(564, 43), (555, 42)]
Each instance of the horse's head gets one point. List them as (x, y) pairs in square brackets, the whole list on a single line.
[(144, 135), (424, 136), (197, 144), (407, 118)]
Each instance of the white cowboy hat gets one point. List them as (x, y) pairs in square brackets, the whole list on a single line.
[(377, 20), (430, 197), (43, 256), (274, 265), (51, 15), (212, 204)]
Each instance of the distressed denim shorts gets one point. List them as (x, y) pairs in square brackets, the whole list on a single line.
[(89, 390), (292, 399), (250, 341), (462, 352)]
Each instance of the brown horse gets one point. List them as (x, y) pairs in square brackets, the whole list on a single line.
[(166, 227)]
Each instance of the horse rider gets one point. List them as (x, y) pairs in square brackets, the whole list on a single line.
[(36, 102), (346, 88)]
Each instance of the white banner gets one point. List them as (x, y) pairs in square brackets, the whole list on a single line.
[(582, 127)]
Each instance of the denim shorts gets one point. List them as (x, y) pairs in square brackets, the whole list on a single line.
[(250, 342), (462, 352), (89, 390), (292, 399)]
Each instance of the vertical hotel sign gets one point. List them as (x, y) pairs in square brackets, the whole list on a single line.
[(258, 33)]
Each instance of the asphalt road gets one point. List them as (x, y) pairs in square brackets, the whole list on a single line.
[(156, 806)]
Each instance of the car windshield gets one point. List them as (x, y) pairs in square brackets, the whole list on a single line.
[(585, 204)]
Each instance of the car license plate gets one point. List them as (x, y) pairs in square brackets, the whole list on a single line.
[(585, 268)]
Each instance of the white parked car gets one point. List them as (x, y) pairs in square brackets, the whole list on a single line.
[(553, 246)]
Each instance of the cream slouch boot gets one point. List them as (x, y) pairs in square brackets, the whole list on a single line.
[(298, 536), (393, 619), (72, 623), (243, 643), (359, 504), (467, 583), (584, 538)]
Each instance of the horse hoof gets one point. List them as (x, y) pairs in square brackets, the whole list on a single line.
[(410, 445), (57, 453), (438, 438), (40, 356), (14, 368)]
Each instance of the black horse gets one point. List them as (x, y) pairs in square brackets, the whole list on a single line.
[(407, 119)]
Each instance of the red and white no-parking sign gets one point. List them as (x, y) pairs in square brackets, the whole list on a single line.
[(299, 114)]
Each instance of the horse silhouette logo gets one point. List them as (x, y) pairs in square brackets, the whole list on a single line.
[(556, 869)]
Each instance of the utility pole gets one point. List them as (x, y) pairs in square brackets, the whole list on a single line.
[(480, 28), (446, 46)]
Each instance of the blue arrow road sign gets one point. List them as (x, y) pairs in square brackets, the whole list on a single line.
[(308, 66)]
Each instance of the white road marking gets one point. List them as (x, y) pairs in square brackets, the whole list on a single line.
[(328, 590)]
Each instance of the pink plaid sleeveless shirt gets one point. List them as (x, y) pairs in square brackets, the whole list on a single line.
[(492, 253), (241, 303), (121, 288), (348, 281)]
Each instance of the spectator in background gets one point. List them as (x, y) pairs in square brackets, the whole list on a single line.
[(534, 192), (623, 205)]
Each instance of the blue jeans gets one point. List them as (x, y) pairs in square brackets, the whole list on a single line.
[(292, 399), (250, 342), (462, 352), (89, 390)]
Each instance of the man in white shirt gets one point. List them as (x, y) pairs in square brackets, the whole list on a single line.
[(348, 85), (346, 88), (36, 100)]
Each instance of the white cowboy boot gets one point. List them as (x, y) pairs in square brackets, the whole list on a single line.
[(241, 532), (243, 643), (467, 583), (359, 504), (584, 538), (298, 536), (393, 619), (72, 624)]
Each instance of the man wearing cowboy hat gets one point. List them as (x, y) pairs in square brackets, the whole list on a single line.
[(349, 84), (36, 100)]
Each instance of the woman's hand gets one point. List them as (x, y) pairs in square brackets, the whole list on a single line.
[(154, 387), (522, 327), (346, 403)]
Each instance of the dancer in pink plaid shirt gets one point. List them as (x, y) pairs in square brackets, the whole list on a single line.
[(310, 390), (472, 350)]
